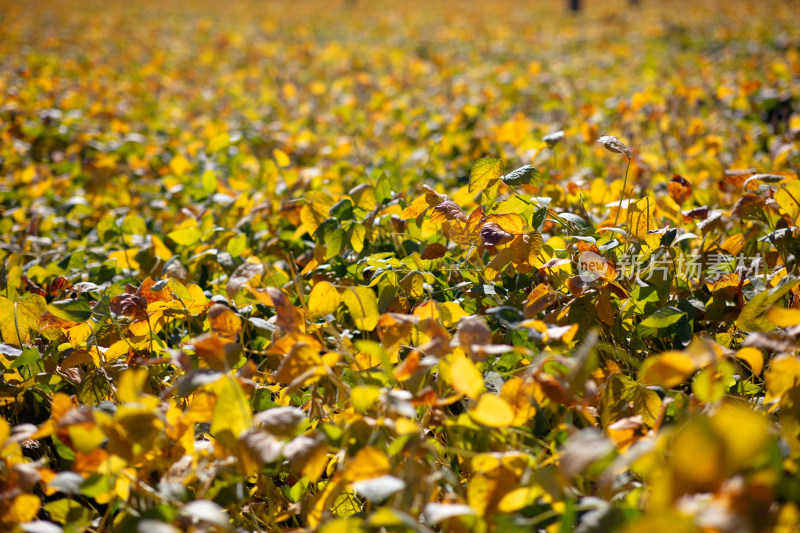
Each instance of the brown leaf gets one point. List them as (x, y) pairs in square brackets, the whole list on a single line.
[(595, 266), (216, 350), (447, 210), (130, 305), (242, 275), (394, 328), (540, 298), (146, 291), (57, 285), (748, 205), (613, 144), (473, 331), (224, 322), (434, 251), (289, 317), (698, 213), (492, 234), (264, 447), (679, 189), (33, 287)]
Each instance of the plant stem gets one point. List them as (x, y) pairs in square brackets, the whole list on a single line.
[(622, 194)]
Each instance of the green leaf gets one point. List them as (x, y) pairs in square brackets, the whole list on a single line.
[(383, 190), (134, 225), (523, 176), (623, 397), (485, 173), (579, 224), (342, 210), (335, 243), (107, 230), (209, 182), (74, 310), (754, 315), (31, 355), (662, 318), (237, 245), (537, 221)]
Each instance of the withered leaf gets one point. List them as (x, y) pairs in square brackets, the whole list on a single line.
[(434, 251), (242, 275), (447, 210), (613, 144)]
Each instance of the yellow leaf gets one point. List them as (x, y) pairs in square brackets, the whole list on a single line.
[(323, 300), (369, 462), (363, 397), (300, 361), (125, 258), (315, 464), (281, 158), (131, 384), (179, 165), (519, 395), (5, 432), (427, 310), (465, 378), (450, 313), (641, 217), (232, 414), (783, 374), (315, 211), (413, 284), (492, 411), (667, 369), (415, 208), (753, 357), (508, 222), (744, 433), (364, 197), (782, 317), (224, 322), (23, 508), (86, 436), (485, 172), (788, 198), (516, 499), (19, 318), (363, 307), (734, 244), (357, 236)]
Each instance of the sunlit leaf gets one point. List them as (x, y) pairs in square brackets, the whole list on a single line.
[(485, 173)]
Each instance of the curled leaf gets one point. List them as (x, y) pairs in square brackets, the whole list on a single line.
[(447, 210), (613, 144), (552, 139)]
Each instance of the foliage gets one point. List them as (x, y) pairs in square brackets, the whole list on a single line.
[(399, 266)]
